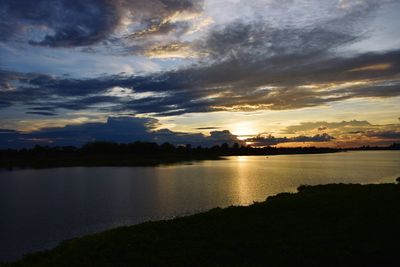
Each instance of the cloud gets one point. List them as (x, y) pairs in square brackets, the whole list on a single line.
[(154, 27), (246, 65), (327, 126), (5, 104), (269, 140), (171, 50), (207, 128), (391, 135), (125, 129), (196, 139), (122, 129), (247, 40), (74, 23), (117, 129), (58, 23), (42, 113), (349, 133), (282, 82)]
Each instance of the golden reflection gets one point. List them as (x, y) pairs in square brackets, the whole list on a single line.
[(242, 158), (243, 176)]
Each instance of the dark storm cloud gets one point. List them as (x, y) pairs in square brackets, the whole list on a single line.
[(117, 129), (44, 109), (41, 113), (270, 140), (126, 129), (196, 139), (68, 23), (384, 134), (271, 84), (61, 22), (5, 104), (247, 40), (249, 66)]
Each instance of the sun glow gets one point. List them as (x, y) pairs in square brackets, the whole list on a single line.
[(243, 130)]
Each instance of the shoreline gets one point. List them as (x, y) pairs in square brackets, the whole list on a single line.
[(122, 161), (129, 161), (99, 153)]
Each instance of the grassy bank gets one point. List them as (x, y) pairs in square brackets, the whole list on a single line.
[(326, 225)]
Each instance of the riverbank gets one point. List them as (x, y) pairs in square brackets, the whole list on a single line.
[(133, 154), (100, 160), (325, 225)]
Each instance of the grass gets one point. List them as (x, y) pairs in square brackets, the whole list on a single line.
[(325, 225)]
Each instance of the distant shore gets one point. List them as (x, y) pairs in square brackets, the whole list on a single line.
[(144, 154), (100, 160), (324, 225), (133, 154)]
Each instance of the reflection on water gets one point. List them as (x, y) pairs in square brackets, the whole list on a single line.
[(38, 208)]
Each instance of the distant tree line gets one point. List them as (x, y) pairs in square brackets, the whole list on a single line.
[(103, 147), (142, 154), (100, 147), (394, 146)]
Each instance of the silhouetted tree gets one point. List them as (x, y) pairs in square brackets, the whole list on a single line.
[(167, 147)]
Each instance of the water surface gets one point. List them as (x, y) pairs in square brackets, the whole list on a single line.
[(39, 208)]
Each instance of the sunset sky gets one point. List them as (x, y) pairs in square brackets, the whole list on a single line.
[(261, 72)]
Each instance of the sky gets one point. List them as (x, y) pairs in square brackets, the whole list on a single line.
[(263, 72)]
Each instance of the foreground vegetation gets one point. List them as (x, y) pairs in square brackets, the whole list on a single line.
[(325, 225), (132, 154)]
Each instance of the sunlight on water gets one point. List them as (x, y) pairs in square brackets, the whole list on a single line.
[(66, 202)]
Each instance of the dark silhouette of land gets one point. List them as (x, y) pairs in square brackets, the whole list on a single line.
[(140, 154), (324, 225), (394, 146)]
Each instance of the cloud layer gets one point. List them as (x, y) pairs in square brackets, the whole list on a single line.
[(247, 64), (73, 23), (129, 129), (117, 129), (283, 82), (126, 129), (349, 133), (208, 56)]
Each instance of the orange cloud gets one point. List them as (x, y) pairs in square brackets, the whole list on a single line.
[(376, 67)]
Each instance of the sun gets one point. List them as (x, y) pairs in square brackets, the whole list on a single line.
[(243, 130)]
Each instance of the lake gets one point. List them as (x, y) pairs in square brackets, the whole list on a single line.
[(39, 208)]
